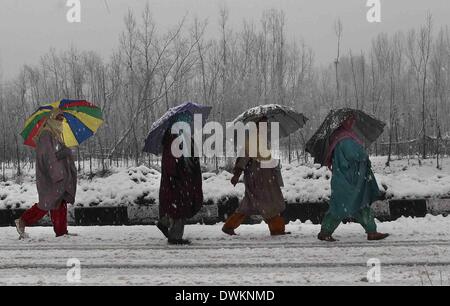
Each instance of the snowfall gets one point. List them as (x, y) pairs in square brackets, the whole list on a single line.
[(416, 253)]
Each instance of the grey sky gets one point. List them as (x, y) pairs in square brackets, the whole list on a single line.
[(28, 28)]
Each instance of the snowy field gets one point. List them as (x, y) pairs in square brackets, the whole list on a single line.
[(417, 253), (303, 183)]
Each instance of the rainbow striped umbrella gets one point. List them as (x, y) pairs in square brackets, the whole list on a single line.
[(82, 119)]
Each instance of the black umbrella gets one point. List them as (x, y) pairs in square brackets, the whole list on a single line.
[(366, 127), (289, 120), (153, 143)]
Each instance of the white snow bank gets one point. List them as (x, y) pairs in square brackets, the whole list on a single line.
[(408, 179), (302, 183)]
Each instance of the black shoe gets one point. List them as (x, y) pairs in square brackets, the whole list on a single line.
[(163, 229), (179, 241), (325, 237)]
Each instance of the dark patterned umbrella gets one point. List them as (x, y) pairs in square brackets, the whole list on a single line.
[(289, 120), (153, 143), (366, 127)]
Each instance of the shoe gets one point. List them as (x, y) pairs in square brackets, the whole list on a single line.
[(179, 241), (325, 237), (163, 229), (20, 227), (228, 231), (376, 236)]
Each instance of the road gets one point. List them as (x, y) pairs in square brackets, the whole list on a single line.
[(417, 253)]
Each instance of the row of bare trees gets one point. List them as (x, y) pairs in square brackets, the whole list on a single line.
[(403, 79)]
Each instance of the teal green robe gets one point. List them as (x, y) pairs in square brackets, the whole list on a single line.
[(353, 185)]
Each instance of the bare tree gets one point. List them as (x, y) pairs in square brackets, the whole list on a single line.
[(401, 81), (439, 64), (419, 52), (338, 30)]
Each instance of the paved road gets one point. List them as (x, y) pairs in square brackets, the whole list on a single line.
[(138, 255)]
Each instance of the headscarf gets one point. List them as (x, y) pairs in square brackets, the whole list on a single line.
[(343, 132), (52, 125)]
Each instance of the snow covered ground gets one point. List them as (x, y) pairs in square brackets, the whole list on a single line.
[(417, 253), (303, 183)]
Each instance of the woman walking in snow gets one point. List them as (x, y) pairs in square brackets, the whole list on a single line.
[(180, 194), (353, 184), (263, 194), (56, 178)]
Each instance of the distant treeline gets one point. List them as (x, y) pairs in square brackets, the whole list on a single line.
[(403, 79)]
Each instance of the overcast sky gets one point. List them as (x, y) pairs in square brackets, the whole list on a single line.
[(28, 28)]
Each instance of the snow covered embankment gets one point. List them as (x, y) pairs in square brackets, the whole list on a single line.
[(139, 186)]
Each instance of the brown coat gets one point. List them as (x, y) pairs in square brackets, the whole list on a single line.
[(56, 174), (263, 194)]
